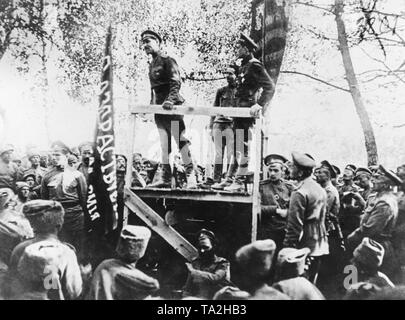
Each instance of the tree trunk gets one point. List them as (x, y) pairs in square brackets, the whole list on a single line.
[(44, 78), (371, 146)]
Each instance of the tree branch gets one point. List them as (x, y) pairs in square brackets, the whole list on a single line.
[(316, 79), (313, 6)]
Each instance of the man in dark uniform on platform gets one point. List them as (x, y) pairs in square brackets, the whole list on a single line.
[(252, 77), (275, 195), (164, 76)]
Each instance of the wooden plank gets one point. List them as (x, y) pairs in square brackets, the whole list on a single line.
[(157, 224), (193, 110), (256, 207), (193, 195)]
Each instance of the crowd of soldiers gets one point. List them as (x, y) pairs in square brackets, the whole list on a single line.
[(315, 221)]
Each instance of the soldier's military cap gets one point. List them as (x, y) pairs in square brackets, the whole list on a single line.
[(351, 167), (133, 242), (248, 42), (206, 234), (85, 144), (329, 167), (44, 215), (303, 160), (256, 258), (291, 258), (20, 185), (370, 253), (6, 194), (373, 168), (275, 158), (6, 148), (61, 147), (390, 175), (337, 170), (362, 170), (151, 34), (33, 153), (29, 174), (40, 260)]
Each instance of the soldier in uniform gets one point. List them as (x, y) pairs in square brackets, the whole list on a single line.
[(255, 262), (165, 81), (46, 219), (36, 169), (275, 195), (119, 279), (252, 77), (47, 267), (363, 180), (307, 213), (379, 219), (291, 279), (350, 208), (67, 186), (208, 273), (221, 129), (9, 171)]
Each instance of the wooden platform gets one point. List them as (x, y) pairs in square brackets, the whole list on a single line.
[(194, 195)]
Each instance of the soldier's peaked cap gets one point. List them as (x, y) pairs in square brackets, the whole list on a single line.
[(204, 233), (60, 146), (351, 167), (391, 175), (151, 34), (248, 42), (362, 170), (337, 170), (275, 158), (327, 165), (303, 160)]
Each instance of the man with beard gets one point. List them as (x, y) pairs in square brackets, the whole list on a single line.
[(379, 219), (275, 197), (67, 186), (208, 273), (165, 81), (23, 195), (307, 213), (252, 77), (39, 172), (86, 152), (9, 172)]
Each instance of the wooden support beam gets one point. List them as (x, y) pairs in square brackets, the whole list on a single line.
[(193, 110), (157, 224), (256, 206), (193, 195)]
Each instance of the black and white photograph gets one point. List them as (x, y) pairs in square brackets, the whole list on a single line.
[(215, 151)]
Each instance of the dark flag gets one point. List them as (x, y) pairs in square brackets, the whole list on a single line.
[(102, 196), (269, 31)]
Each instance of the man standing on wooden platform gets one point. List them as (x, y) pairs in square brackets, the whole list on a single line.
[(165, 81), (251, 78)]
